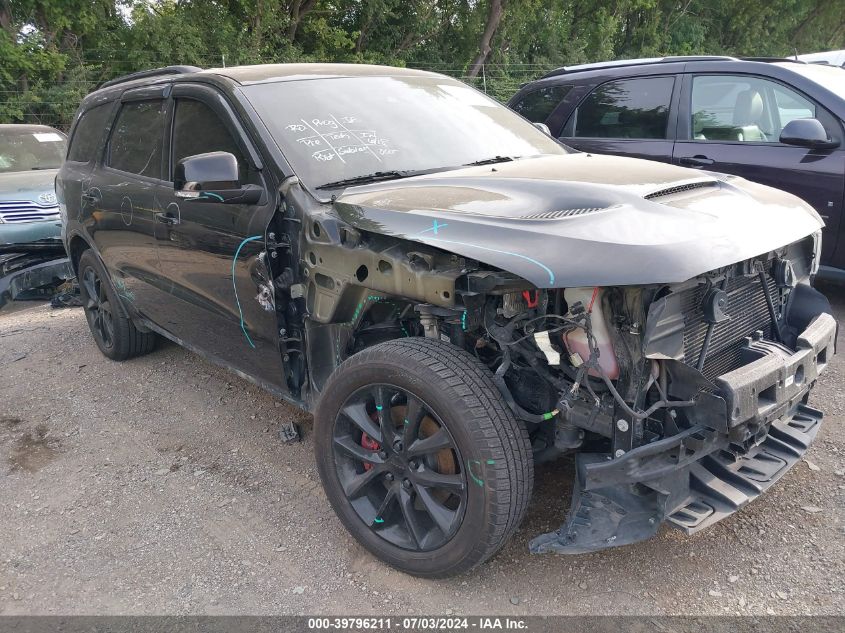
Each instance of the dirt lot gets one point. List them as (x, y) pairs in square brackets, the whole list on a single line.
[(159, 486)]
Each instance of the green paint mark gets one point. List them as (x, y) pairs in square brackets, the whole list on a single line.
[(549, 415), (378, 520), (235, 287), (491, 461), (406, 422), (464, 321), (470, 462), (379, 407)]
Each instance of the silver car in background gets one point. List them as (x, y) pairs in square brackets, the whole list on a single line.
[(30, 156)]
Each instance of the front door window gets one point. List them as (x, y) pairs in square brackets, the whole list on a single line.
[(197, 130), (743, 109)]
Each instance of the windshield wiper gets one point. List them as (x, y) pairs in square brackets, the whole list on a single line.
[(367, 178), (491, 161)]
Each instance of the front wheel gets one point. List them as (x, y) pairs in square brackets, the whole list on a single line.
[(421, 458)]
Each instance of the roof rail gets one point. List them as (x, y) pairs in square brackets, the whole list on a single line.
[(155, 72), (636, 62), (698, 58), (773, 59)]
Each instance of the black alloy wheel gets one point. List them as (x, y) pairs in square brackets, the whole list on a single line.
[(399, 467), (420, 457), (113, 330), (98, 308)]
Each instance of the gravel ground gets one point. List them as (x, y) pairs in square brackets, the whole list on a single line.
[(159, 486)]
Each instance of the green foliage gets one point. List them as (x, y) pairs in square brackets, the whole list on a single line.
[(55, 51)]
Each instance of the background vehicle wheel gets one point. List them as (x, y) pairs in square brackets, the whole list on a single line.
[(112, 329), (421, 458)]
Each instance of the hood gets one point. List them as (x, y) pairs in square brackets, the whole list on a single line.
[(27, 185), (585, 220)]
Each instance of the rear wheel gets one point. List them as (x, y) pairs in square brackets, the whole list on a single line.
[(421, 459), (112, 329)]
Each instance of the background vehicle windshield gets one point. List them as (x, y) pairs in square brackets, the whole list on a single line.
[(25, 150), (335, 129), (830, 77)]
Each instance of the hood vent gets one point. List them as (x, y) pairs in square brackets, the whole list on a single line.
[(671, 191), (562, 213)]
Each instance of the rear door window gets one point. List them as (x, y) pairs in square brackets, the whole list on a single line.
[(625, 109), (136, 140), (88, 133), (537, 105)]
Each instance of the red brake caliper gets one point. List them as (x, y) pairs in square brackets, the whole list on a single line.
[(370, 444)]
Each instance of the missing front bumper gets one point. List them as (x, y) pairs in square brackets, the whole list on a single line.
[(705, 473)]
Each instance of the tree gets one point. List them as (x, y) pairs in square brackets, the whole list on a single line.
[(55, 51), (494, 18)]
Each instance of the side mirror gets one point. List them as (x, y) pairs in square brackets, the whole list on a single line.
[(213, 177), (543, 128), (806, 133)]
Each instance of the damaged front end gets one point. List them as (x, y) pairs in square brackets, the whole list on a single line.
[(682, 401), (664, 339), (708, 405)]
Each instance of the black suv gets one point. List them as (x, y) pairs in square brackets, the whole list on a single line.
[(455, 295), (777, 122)]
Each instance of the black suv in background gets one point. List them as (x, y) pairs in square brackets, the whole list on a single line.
[(777, 122)]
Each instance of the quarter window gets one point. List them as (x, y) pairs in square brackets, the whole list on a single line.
[(88, 132), (197, 130), (792, 106), (135, 144), (630, 108), (537, 105), (744, 109)]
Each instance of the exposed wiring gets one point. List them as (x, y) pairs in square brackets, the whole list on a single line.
[(592, 363), (551, 331), (593, 299), (642, 414), (499, 380), (510, 327), (582, 320)]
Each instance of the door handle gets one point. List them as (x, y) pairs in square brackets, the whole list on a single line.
[(696, 161), (166, 218)]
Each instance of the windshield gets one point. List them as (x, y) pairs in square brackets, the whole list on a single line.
[(830, 77), (28, 149), (337, 129)]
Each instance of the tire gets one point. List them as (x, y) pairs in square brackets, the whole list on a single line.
[(490, 452), (112, 329)]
